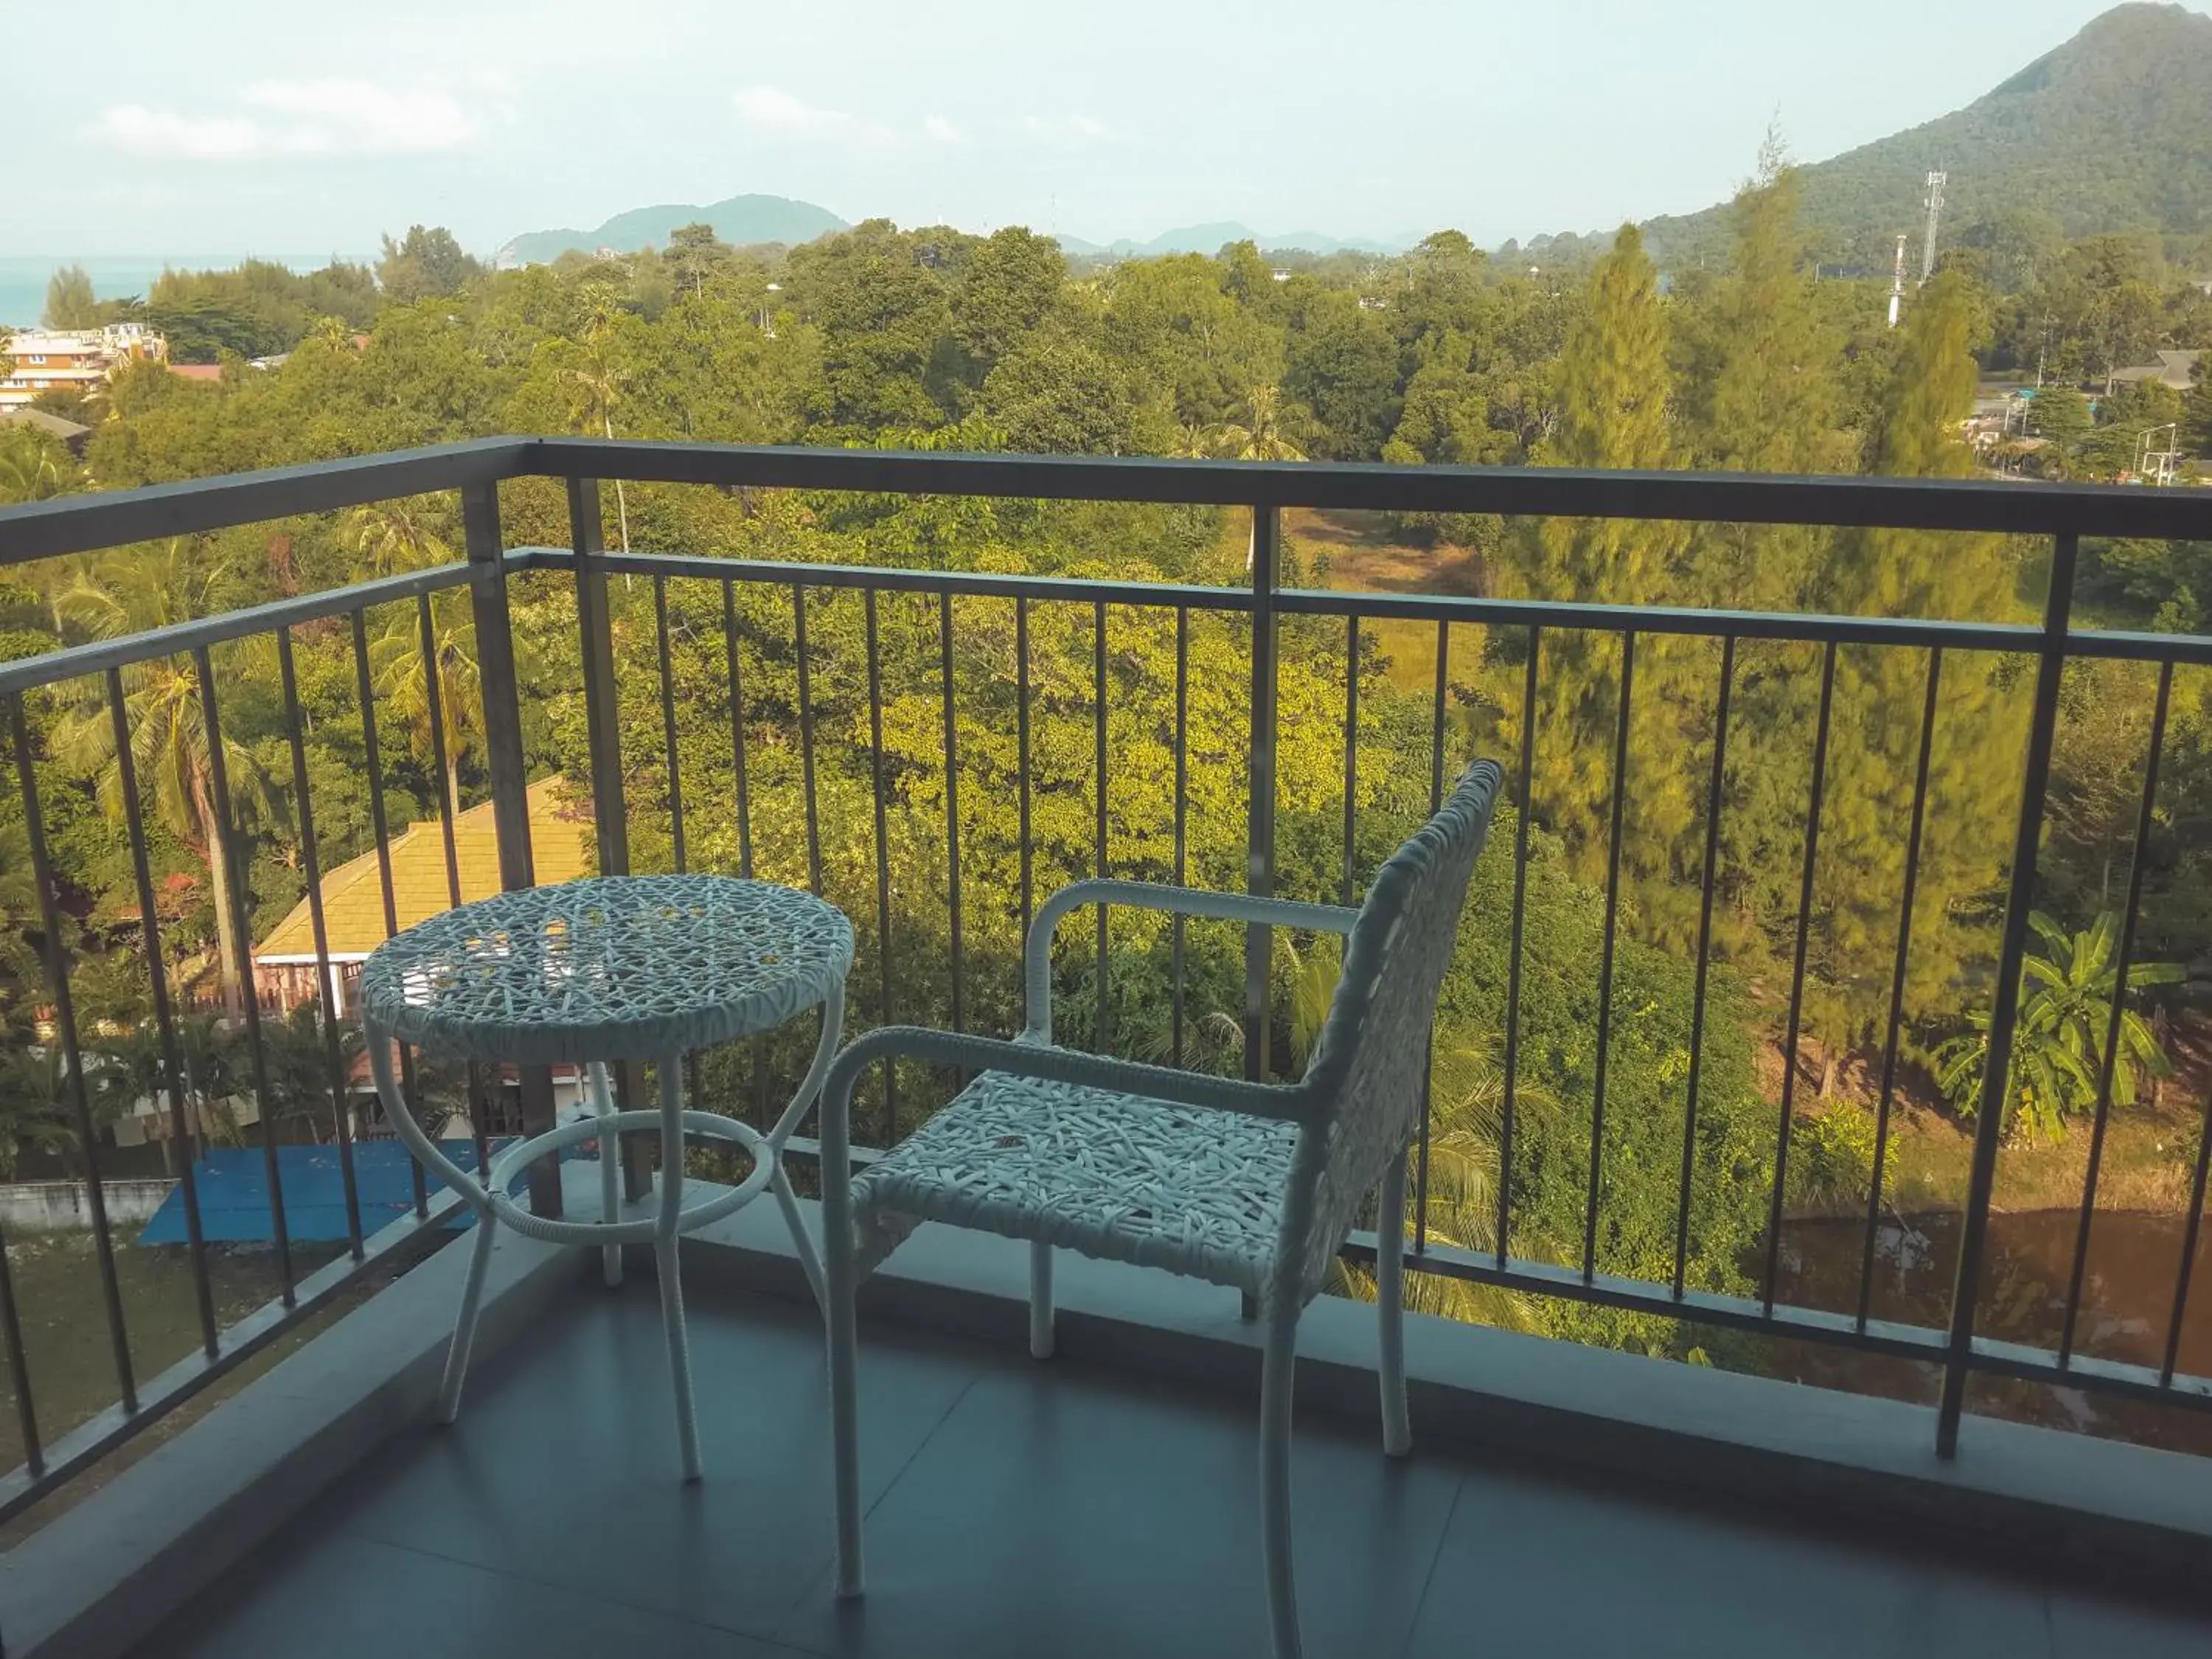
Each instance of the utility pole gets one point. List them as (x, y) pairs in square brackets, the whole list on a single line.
[(1935, 182)]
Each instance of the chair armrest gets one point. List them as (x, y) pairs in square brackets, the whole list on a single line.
[(1037, 954)]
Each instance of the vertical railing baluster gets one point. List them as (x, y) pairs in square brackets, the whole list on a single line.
[(57, 964), (1606, 955), (740, 770), (1795, 1027), (1713, 796), (883, 857), (668, 722), (951, 805), (326, 996), (234, 869), (380, 830), (1176, 936), (806, 739), (165, 1022), (744, 811), (1105, 1027), (1259, 823), (1527, 810), (2004, 1010), (1351, 754), (504, 757), (1022, 759), (2122, 962), (1906, 900), (2189, 1236), (19, 1368), (1428, 1072), (434, 698)]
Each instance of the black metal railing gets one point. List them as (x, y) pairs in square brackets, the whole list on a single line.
[(1258, 612)]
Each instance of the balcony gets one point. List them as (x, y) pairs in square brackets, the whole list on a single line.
[(1101, 1503)]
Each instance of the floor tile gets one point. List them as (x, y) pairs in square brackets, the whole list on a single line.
[(1548, 1570), (339, 1597), (564, 1465), (1072, 1512)]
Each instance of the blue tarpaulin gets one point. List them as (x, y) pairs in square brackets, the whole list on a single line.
[(234, 1191)]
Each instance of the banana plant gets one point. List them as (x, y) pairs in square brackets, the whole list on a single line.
[(2058, 1039)]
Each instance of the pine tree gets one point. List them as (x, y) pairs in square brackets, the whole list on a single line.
[(1981, 721), (1611, 400)]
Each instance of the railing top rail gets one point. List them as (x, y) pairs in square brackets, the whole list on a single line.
[(81, 523), (1963, 504), (114, 518)]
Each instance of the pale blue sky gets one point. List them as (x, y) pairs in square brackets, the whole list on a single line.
[(226, 127)]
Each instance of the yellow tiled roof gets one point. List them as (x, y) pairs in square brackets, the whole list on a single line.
[(352, 894)]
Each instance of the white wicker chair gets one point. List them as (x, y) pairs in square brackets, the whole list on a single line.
[(1245, 1184)]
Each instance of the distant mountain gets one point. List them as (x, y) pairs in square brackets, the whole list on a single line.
[(2111, 132), (1212, 238), (740, 221)]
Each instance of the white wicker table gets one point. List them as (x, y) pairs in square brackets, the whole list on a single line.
[(590, 973)]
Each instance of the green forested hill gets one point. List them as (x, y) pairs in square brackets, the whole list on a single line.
[(741, 220), (2112, 131)]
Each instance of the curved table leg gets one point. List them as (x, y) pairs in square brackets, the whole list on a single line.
[(665, 1242), (472, 1190), (603, 1102), (810, 1090)]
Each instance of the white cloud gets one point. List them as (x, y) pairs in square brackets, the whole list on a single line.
[(329, 116), (939, 130), (1070, 127), (774, 110)]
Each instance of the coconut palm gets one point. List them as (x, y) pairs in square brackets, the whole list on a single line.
[(407, 533), (30, 465), (402, 673), (35, 1105), (131, 592), (2058, 1038), (1267, 432), (597, 377)]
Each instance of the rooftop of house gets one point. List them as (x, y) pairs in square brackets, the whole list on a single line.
[(352, 894), (2177, 369)]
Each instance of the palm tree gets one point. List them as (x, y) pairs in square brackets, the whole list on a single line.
[(130, 592), (1265, 434), (35, 1105), (597, 379), (33, 467), (2058, 1038), (402, 676), (407, 533)]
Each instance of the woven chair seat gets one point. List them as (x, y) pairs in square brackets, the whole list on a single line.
[(1193, 1191)]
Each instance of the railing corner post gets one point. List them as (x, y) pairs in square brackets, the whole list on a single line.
[(510, 779)]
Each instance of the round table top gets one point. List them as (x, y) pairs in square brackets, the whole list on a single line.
[(608, 967)]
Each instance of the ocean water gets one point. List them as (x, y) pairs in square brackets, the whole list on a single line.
[(23, 276)]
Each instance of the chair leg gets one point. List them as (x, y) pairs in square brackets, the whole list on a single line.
[(1040, 1299), (464, 1328), (840, 1318), (1278, 1366), (1390, 1308), (603, 1102), (665, 1263)]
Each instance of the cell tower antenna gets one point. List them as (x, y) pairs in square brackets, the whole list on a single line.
[(1897, 286), (1935, 182)]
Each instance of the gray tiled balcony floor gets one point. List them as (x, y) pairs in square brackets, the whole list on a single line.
[(1026, 1509)]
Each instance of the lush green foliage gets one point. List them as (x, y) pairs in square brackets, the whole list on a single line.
[(930, 338)]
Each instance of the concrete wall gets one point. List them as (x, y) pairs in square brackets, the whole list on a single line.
[(50, 1205)]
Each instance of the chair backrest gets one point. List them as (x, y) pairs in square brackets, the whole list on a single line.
[(1372, 1060)]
